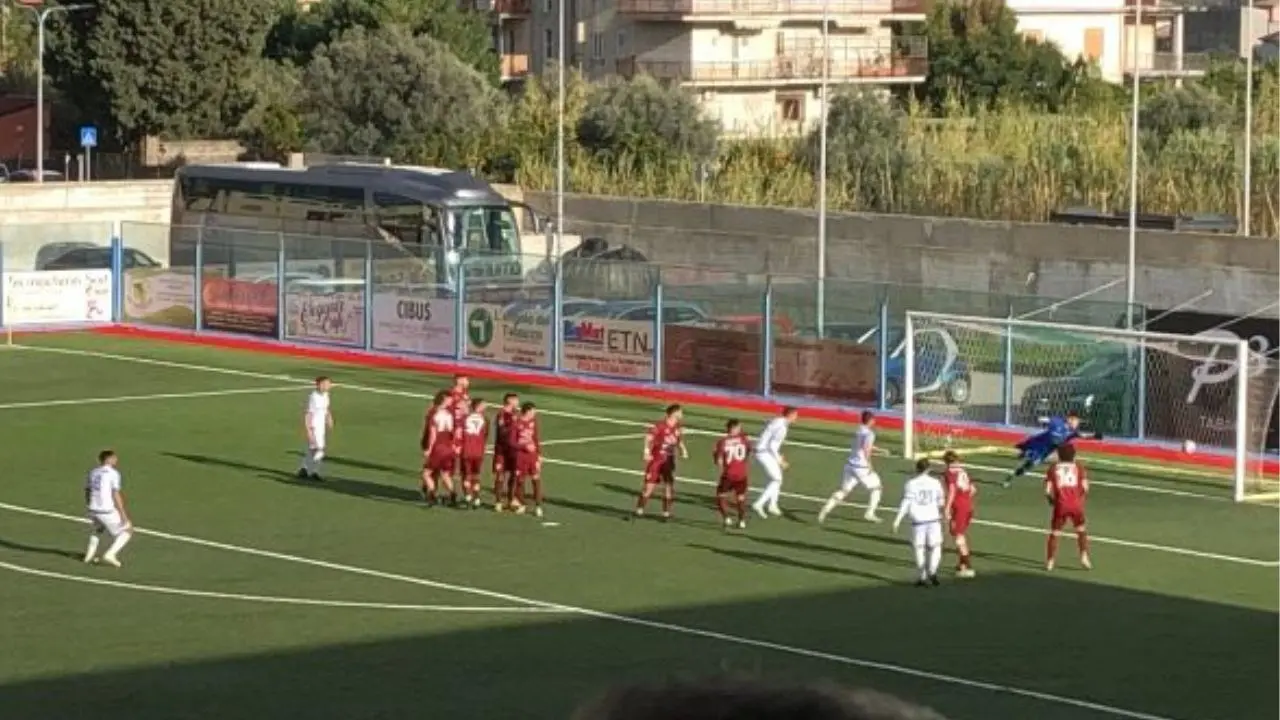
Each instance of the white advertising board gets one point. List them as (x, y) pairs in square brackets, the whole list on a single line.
[(57, 296), (408, 322)]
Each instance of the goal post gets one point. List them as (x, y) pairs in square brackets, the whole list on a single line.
[(1196, 406)]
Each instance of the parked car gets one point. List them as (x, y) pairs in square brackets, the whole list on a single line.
[(97, 257), (25, 176), (54, 250), (938, 372), (673, 313), (1101, 391)]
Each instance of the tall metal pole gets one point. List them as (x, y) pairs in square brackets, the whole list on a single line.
[(1131, 271), (559, 240), (822, 170), (42, 15), (1248, 123)]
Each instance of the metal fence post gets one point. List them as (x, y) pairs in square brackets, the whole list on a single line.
[(280, 288), (368, 295), (882, 352), (2, 284), (1006, 375), (659, 302), (117, 273), (197, 280), (557, 316), (460, 328), (766, 335)]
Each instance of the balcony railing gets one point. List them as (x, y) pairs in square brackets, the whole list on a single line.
[(514, 66), (899, 63), (504, 7), (680, 8), (1168, 63)]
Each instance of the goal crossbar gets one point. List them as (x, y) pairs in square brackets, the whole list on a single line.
[(1140, 340)]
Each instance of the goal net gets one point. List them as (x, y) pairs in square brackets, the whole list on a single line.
[(1201, 403)]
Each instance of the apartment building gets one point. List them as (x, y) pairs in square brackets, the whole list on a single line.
[(1105, 32), (757, 65), (1236, 29)]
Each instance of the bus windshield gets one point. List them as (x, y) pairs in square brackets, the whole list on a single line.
[(484, 231)]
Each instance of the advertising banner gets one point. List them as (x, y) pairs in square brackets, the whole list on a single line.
[(240, 306), (57, 296), (616, 348), (519, 337), (331, 317), (827, 369), (1198, 392), (712, 357), (160, 297), (405, 322)]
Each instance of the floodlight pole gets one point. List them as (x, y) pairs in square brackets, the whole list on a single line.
[(822, 169), (560, 101), (1248, 124), (42, 14), (1131, 271)]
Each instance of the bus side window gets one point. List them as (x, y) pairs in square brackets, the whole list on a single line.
[(198, 195), (400, 217)]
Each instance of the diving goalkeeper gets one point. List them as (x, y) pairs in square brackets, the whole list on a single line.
[(1035, 449)]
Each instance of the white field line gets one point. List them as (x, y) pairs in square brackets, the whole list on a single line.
[(160, 396), (1134, 544), (556, 413), (269, 599), (587, 440), (631, 620)]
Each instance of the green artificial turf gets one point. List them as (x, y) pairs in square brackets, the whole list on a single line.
[(251, 594)]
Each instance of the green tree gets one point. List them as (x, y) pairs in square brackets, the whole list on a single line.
[(866, 150), (179, 68), (640, 122), (270, 128), (390, 93), (17, 50), (466, 34), (1188, 109)]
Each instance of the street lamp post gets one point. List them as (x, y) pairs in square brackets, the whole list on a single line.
[(822, 170), (560, 102), (1248, 123), (1131, 273), (42, 13)]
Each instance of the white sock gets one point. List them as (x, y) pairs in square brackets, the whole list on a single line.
[(874, 503), (935, 559), (306, 459), (92, 550), (118, 544), (920, 563), (836, 498), (317, 459), (769, 496)]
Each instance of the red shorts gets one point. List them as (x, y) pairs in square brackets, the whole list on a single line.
[(1061, 516), (470, 466), (440, 462), (503, 460), (735, 485), (660, 470), (960, 520), (526, 465)]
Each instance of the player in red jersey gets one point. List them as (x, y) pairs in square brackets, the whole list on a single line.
[(504, 459), (660, 446), (731, 455), (961, 491), (438, 449), (475, 430), (523, 438), (1066, 486)]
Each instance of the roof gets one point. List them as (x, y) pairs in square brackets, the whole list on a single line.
[(10, 104)]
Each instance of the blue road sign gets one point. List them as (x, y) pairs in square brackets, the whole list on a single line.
[(88, 136)]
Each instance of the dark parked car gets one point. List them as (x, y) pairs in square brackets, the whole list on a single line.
[(96, 257), (938, 372), (1102, 391)]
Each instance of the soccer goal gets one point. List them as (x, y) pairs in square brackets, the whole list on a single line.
[(1206, 400)]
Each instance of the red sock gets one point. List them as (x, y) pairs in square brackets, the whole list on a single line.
[(1051, 549), (723, 505), (668, 499), (537, 491), (1082, 542), (964, 560), (742, 509)]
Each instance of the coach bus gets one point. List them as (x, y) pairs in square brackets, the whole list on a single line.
[(424, 225)]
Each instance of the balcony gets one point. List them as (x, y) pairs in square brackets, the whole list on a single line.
[(1168, 64), (761, 9), (901, 61), (505, 8), (514, 67)]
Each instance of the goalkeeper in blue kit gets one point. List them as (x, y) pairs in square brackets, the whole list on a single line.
[(1035, 449)]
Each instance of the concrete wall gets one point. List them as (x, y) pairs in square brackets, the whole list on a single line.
[(997, 257)]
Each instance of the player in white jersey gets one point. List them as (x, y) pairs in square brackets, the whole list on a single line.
[(923, 500), (770, 459), (105, 503), (317, 421), (858, 471)]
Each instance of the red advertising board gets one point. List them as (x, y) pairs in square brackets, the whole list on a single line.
[(240, 306)]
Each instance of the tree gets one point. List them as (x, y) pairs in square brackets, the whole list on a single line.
[(17, 50), (977, 55), (641, 122), (386, 92), (270, 128), (866, 152), (1189, 109), (179, 68), (299, 33)]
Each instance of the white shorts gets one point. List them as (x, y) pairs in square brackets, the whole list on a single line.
[(108, 522), (855, 476), (772, 468), (319, 431), (927, 535)]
